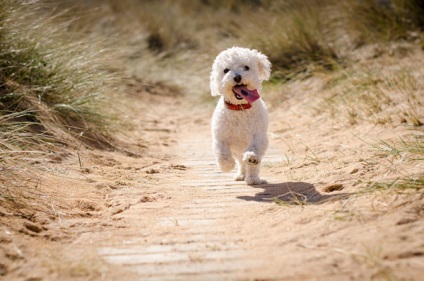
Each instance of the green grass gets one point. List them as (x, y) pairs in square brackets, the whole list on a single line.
[(415, 183), (414, 147), (50, 85)]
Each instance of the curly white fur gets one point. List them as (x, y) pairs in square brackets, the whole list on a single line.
[(239, 137)]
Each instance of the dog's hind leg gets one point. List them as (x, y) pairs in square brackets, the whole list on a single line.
[(223, 155), (241, 170)]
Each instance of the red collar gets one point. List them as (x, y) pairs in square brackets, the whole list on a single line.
[(237, 106)]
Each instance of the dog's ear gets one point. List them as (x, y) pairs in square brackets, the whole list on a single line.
[(264, 66), (213, 83)]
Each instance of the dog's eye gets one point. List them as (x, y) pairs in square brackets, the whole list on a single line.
[(246, 68), (226, 70)]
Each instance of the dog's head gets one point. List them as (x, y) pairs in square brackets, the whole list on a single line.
[(238, 73)]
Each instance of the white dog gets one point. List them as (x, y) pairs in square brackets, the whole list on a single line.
[(240, 120)]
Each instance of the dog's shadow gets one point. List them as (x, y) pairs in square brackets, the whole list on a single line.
[(299, 193)]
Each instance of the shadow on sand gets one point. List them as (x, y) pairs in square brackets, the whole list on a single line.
[(292, 193)]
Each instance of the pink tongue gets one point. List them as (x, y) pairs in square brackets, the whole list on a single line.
[(248, 95)]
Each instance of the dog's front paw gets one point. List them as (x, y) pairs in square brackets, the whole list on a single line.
[(250, 158), (226, 164)]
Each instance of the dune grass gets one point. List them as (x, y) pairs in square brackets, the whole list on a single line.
[(300, 37), (372, 96), (402, 153), (385, 20), (174, 41), (413, 184), (413, 147), (51, 84), (297, 41), (54, 94)]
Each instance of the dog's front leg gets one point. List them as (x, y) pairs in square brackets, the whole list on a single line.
[(223, 155), (252, 157), (252, 168), (256, 150)]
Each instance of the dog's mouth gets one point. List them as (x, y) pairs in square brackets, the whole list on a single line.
[(242, 92)]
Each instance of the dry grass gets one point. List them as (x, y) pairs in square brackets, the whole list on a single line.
[(404, 156), (50, 85), (174, 42), (373, 96), (373, 21), (53, 95), (298, 38)]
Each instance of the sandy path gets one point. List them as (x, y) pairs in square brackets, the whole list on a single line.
[(202, 225), (198, 236)]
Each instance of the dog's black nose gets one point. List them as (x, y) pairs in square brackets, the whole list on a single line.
[(237, 78)]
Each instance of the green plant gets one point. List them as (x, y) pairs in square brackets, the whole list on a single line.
[(49, 85), (415, 183)]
